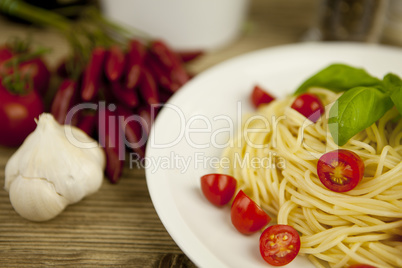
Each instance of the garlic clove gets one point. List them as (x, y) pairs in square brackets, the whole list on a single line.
[(36, 199)]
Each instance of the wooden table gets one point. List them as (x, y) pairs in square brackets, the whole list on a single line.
[(118, 226)]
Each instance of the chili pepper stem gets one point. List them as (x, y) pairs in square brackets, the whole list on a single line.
[(124, 31), (36, 15)]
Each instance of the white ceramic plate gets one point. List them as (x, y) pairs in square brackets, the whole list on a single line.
[(188, 135)]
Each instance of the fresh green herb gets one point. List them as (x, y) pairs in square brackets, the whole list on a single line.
[(364, 101), (396, 98), (339, 77), (356, 110), (393, 84)]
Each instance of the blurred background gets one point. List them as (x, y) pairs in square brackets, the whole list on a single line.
[(259, 24), (228, 28)]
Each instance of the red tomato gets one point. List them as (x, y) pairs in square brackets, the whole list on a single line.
[(17, 113), (279, 244), (361, 266), (340, 170), (246, 215), (309, 105), (260, 96), (218, 188), (5, 54), (38, 71), (34, 68)]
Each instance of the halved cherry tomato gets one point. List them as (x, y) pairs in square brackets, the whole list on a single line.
[(260, 96), (279, 244), (218, 188), (361, 266), (246, 215), (340, 170), (309, 105)]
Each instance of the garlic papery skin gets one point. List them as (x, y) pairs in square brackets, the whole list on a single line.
[(48, 172), (36, 199)]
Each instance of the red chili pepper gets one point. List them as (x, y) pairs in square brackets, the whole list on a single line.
[(126, 97), (148, 114), (171, 61), (149, 88), (65, 98), (92, 74), (115, 63), (111, 138), (107, 93), (161, 74), (136, 56), (164, 96), (61, 69), (187, 56), (87, 123), (71, 66), (133, 126)]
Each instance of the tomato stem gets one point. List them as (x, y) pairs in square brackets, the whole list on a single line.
[(16, 83), (26, 56)]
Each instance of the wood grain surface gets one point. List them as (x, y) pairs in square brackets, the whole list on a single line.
[(118, 225)]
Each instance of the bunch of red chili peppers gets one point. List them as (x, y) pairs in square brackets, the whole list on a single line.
[(136, 82)]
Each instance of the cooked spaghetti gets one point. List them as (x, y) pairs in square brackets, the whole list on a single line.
[(274, 159)]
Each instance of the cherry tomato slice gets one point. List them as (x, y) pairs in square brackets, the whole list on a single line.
[(246, 215), (279, 244), (361, 266), (218, 188), (309, 105), (340, 170), (260, 96)]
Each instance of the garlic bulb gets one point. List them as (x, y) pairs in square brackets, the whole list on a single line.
[(50, 171)]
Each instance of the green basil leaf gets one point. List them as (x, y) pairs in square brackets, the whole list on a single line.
[(391, 82), (339, 77), (356, 110), (393, 85), (396, 97)]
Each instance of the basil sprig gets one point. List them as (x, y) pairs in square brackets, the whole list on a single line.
[(365, 100), (339, 77)]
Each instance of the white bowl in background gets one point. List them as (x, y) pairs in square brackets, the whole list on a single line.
[(183, 24)]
